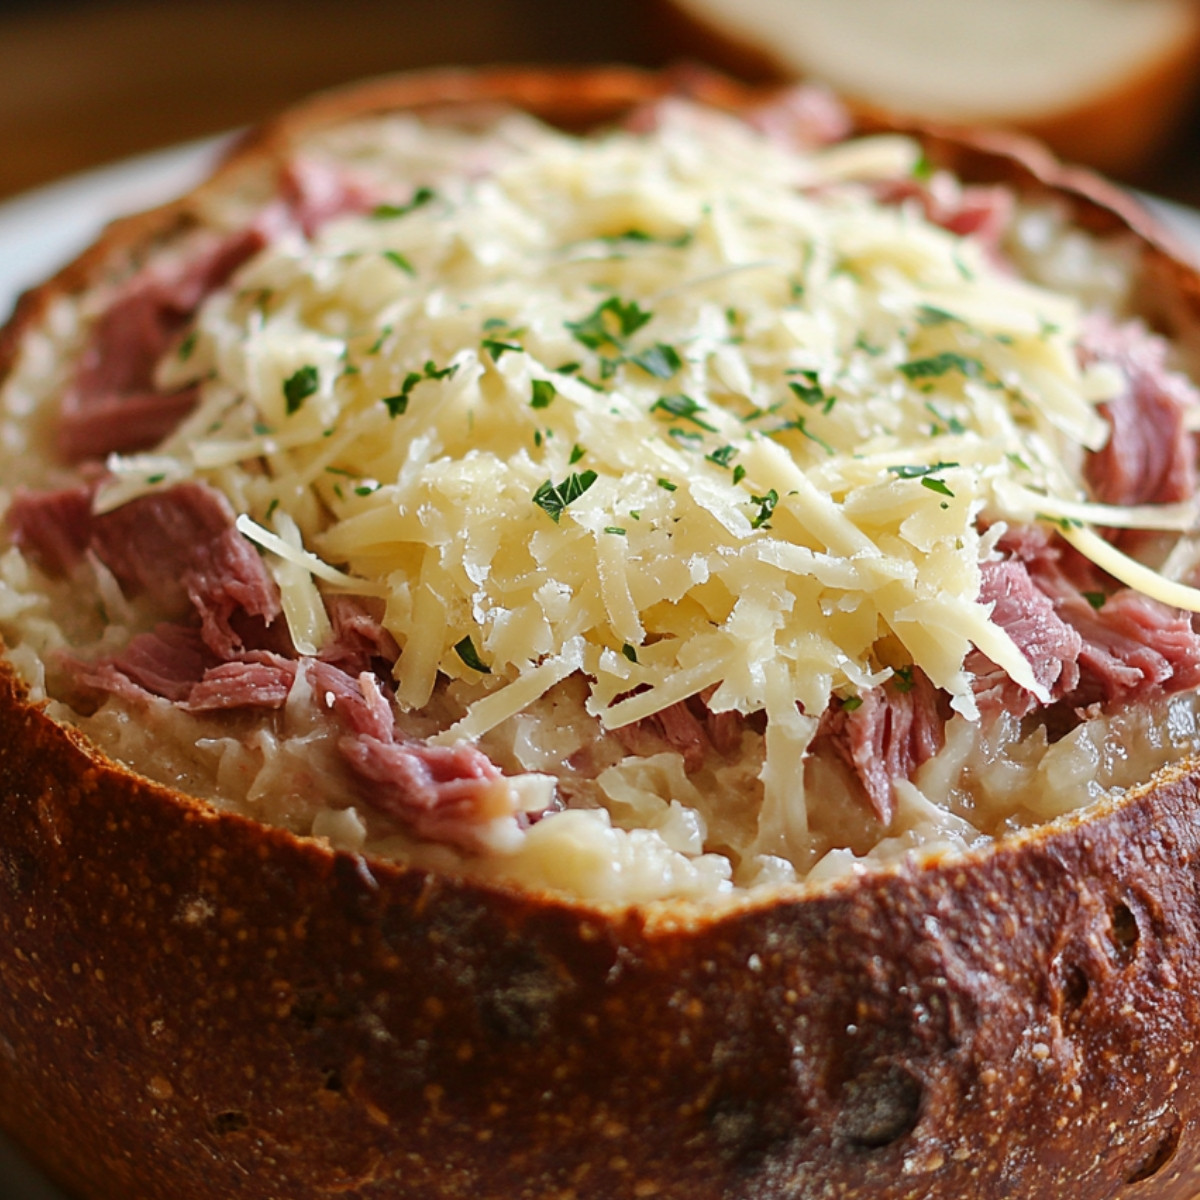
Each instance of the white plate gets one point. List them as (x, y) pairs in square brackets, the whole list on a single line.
[(44, 229)]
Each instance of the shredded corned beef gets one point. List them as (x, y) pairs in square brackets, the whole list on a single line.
[(689, 728), (1087, 644), (359, 642), (891, 732), (1028, 616), (178, 546), (112, 405), (971, 211), (257, 679), (1150, 457), (166, 661), (314, 192)]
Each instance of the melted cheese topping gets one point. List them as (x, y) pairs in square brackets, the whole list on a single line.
[(682, 411)]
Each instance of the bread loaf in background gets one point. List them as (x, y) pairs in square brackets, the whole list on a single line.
[(1103, 82)]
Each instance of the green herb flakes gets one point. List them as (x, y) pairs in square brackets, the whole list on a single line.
[(683, 407), (660, 360), (918, 470), (553, 498), (467, 652), (543, 393), (609, 324), (298, 386), (940, 364), (399, 260), (496, 347), (398, 404), (766, 507), (389, 212)]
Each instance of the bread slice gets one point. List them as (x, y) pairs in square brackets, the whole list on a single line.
[(1101, 81), (212, 989)]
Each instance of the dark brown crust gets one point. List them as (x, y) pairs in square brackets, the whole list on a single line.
[(195, 1007)]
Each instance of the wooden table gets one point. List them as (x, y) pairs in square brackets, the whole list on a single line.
[(85, 83)]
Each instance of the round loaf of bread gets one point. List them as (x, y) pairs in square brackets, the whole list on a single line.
[(1100, 81), (593, 634)]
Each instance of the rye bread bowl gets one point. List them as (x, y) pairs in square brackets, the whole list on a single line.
[(200, 1004)]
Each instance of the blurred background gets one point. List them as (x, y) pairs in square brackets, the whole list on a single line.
[(86, 82)]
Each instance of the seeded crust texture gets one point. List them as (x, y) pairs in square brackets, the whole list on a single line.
[(194, 1006)]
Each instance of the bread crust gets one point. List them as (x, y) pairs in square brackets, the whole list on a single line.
[(195, 1005)]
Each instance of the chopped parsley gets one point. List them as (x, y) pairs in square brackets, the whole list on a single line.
[(553, 498), (810, 391), (298, 386), (801, 425), (1095, 599), (850, 703), (903, 680), (388, 212), (609, 324), (739, 473), (683, 407), (678, 241), (940, 364), (617, 529), (766, 507), (668, 486), (629, 652), (187, 346), (950, 424), (467, 652), (384, 334), (917, 470), (543, 393), (577, 452), (936, 485), (660, 360), (398, 404), (929, 314), (497, 346), (399, 260), (723, 455)]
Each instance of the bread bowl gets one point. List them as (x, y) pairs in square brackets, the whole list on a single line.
[(1102, 82), (201, 1002)]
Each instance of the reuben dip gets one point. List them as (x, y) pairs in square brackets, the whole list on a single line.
[(687, 508)]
